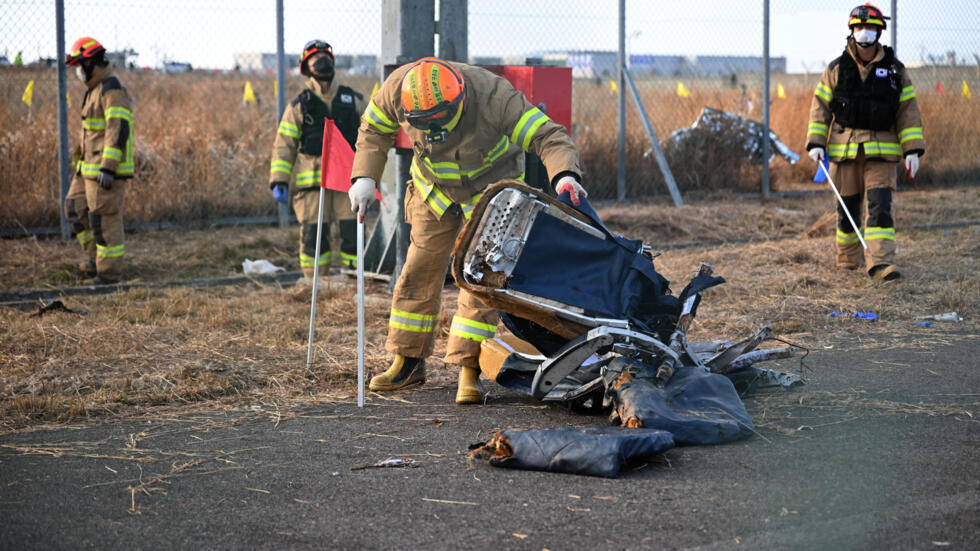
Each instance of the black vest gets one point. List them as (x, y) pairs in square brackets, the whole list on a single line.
[(343, 112), (870, 104)]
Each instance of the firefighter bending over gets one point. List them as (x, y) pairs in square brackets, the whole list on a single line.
[(102, 162), (864, 115), (469, 129), (297, 151)]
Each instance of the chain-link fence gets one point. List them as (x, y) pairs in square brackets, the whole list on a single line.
[(202, 76)]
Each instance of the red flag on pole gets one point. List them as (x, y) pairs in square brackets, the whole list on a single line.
[(336, 160), (939, 87)]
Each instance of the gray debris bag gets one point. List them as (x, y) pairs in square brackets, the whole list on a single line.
[(594, 451)]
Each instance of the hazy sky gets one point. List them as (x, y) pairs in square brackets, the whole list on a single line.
[(206, 33)]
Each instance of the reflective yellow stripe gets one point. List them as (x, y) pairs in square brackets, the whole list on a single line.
[(378, 119), (90, 169), (407, 321), (909, 134), (306, 261), (308, 178), (495, 153), (471, 329), (824, 92), (818, 129), (845, 238), (85, 236), (349, 259), (526, 126), (119, 113), (858, 21), (879, 233), (284, 167), (446, 170), (287, 129), (468, 207), (110, 252), (870, 148), (437, 201), (93, 124), (907, 93), (112, 153)]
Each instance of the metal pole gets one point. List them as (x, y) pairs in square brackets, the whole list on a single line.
[(360, 313), (64, 160), (659, 153), (895, 26), (765, 99), (316, 279), (621, 107), (281, 89)]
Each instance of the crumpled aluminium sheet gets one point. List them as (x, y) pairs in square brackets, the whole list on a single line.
[(731, 130), (594, 451)]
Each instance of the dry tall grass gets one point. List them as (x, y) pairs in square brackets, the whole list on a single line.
[(202, 154)]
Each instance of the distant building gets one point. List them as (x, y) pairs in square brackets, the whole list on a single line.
[(602, 64), (266, 63)]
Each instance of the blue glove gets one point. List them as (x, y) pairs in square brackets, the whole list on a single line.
[(281, 192)]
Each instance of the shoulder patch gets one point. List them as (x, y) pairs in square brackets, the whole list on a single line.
[(346, 98), (111, 83)]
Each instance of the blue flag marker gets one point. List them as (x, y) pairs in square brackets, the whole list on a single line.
[(820, 176)]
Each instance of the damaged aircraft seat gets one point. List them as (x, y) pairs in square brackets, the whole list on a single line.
[(596, 326)]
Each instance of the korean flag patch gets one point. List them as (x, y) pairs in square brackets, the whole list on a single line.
[(881, 72), (347, 98)]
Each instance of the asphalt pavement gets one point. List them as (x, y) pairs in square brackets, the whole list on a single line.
[(878, 451)]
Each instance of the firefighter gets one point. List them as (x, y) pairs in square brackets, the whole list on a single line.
[(864, 115), (103, 163), (469, 129), (297, 151)]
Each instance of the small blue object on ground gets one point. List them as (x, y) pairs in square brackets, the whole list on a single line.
[(925, 324), (866, 315)]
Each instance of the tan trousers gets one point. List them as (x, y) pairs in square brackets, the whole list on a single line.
[(867, 188), (339, 229), (415, 307), (95, 215)]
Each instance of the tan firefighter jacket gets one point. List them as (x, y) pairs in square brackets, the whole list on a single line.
[(841, 143), (287, 157), (497, 126), (107, 130)]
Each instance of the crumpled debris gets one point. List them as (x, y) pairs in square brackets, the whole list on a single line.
[(862, 315), (728, 129), (260, 267), (595, 451), (56, 305), (948, 316), (386, 464)]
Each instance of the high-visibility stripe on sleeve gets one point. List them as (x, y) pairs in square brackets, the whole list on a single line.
[(818, 129), (526, 126), (283, 167), (909, 134), (472, 329), (112, 153), (416, 323), (119, 113), (907, 93), (874, 232), (288, 129), (824, 92), (379, 120)]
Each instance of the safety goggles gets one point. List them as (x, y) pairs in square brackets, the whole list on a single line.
[(317, 46), (435, 121)]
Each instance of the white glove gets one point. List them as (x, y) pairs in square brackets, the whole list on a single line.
[(817, 153), (361, 193), (571, 185), (912, 164)]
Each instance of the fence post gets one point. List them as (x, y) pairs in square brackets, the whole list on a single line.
[(621, 106), (280, 91), (64, 161), (765, 99), (895, 26)]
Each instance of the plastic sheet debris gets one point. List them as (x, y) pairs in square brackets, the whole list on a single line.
[(387, 464), (866, 315), (56, 305), (924, 324), (258, 267), (948, 316), (594, 451)]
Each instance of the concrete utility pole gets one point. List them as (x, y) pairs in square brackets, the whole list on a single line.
[(281, 91), (64, 161)]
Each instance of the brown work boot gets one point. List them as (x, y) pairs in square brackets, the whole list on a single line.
[(884, 272), (468, 391), (403, 372), (87, 268)]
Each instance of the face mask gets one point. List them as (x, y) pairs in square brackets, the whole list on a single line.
[(865, 38), (323, 69), (80, 73)]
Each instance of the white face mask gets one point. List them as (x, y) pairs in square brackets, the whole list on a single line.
[(80, 73), (865, 38)]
